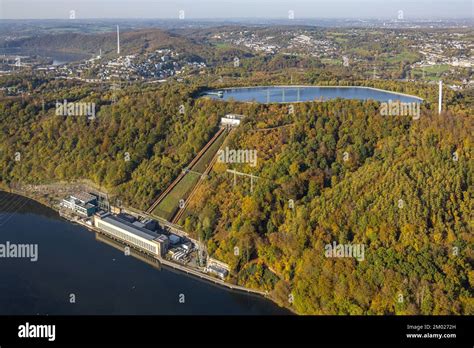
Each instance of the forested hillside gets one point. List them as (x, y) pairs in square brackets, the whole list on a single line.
[(332, 171), (136, 42), (134, 147), (401, 187), (131, 42)]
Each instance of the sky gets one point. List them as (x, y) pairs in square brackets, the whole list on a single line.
[(227, 9)]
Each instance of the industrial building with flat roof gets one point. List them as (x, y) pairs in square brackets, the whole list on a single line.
[(81, 203), (231, 120), (218, 271), (146, 240), (217, 267)]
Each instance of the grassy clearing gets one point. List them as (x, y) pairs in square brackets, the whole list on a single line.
[(207, 157), (222, 45), (434, 69), (331, 61), (170, 203), (401, 57), (431, 72)]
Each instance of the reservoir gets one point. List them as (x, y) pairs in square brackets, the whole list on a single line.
[(78, 272), (57, 57), (294, 94)]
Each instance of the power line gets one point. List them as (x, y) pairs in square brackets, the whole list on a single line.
[(243, 174)]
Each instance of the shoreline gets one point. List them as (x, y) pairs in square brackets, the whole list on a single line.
[(23, 194), (171, 266)]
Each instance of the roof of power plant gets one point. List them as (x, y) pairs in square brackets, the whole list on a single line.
[(174, 239), (129, 227), (84, 197)]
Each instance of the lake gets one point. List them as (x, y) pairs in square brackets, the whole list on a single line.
[(292, 94), (57, 57), (73, 264)]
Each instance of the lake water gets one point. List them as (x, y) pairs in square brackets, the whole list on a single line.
[(290, 94), (103, 280), (57, 56)]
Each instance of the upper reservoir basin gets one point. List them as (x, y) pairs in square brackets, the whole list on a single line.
[(292, 94)]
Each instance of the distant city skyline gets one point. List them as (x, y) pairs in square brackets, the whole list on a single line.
[(231, 9)]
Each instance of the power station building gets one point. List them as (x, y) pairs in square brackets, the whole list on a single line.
[(133, 235), (82, 203), (231, 120), (217, 268)]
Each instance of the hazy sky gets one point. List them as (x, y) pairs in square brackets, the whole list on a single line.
[(195, 9)]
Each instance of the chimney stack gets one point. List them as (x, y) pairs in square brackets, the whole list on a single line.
[(118, 40), (440, 100)]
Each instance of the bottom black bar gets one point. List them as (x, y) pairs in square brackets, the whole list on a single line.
[(288, 330)]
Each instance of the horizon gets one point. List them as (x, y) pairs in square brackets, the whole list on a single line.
[(405, 10), (243, 19)]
